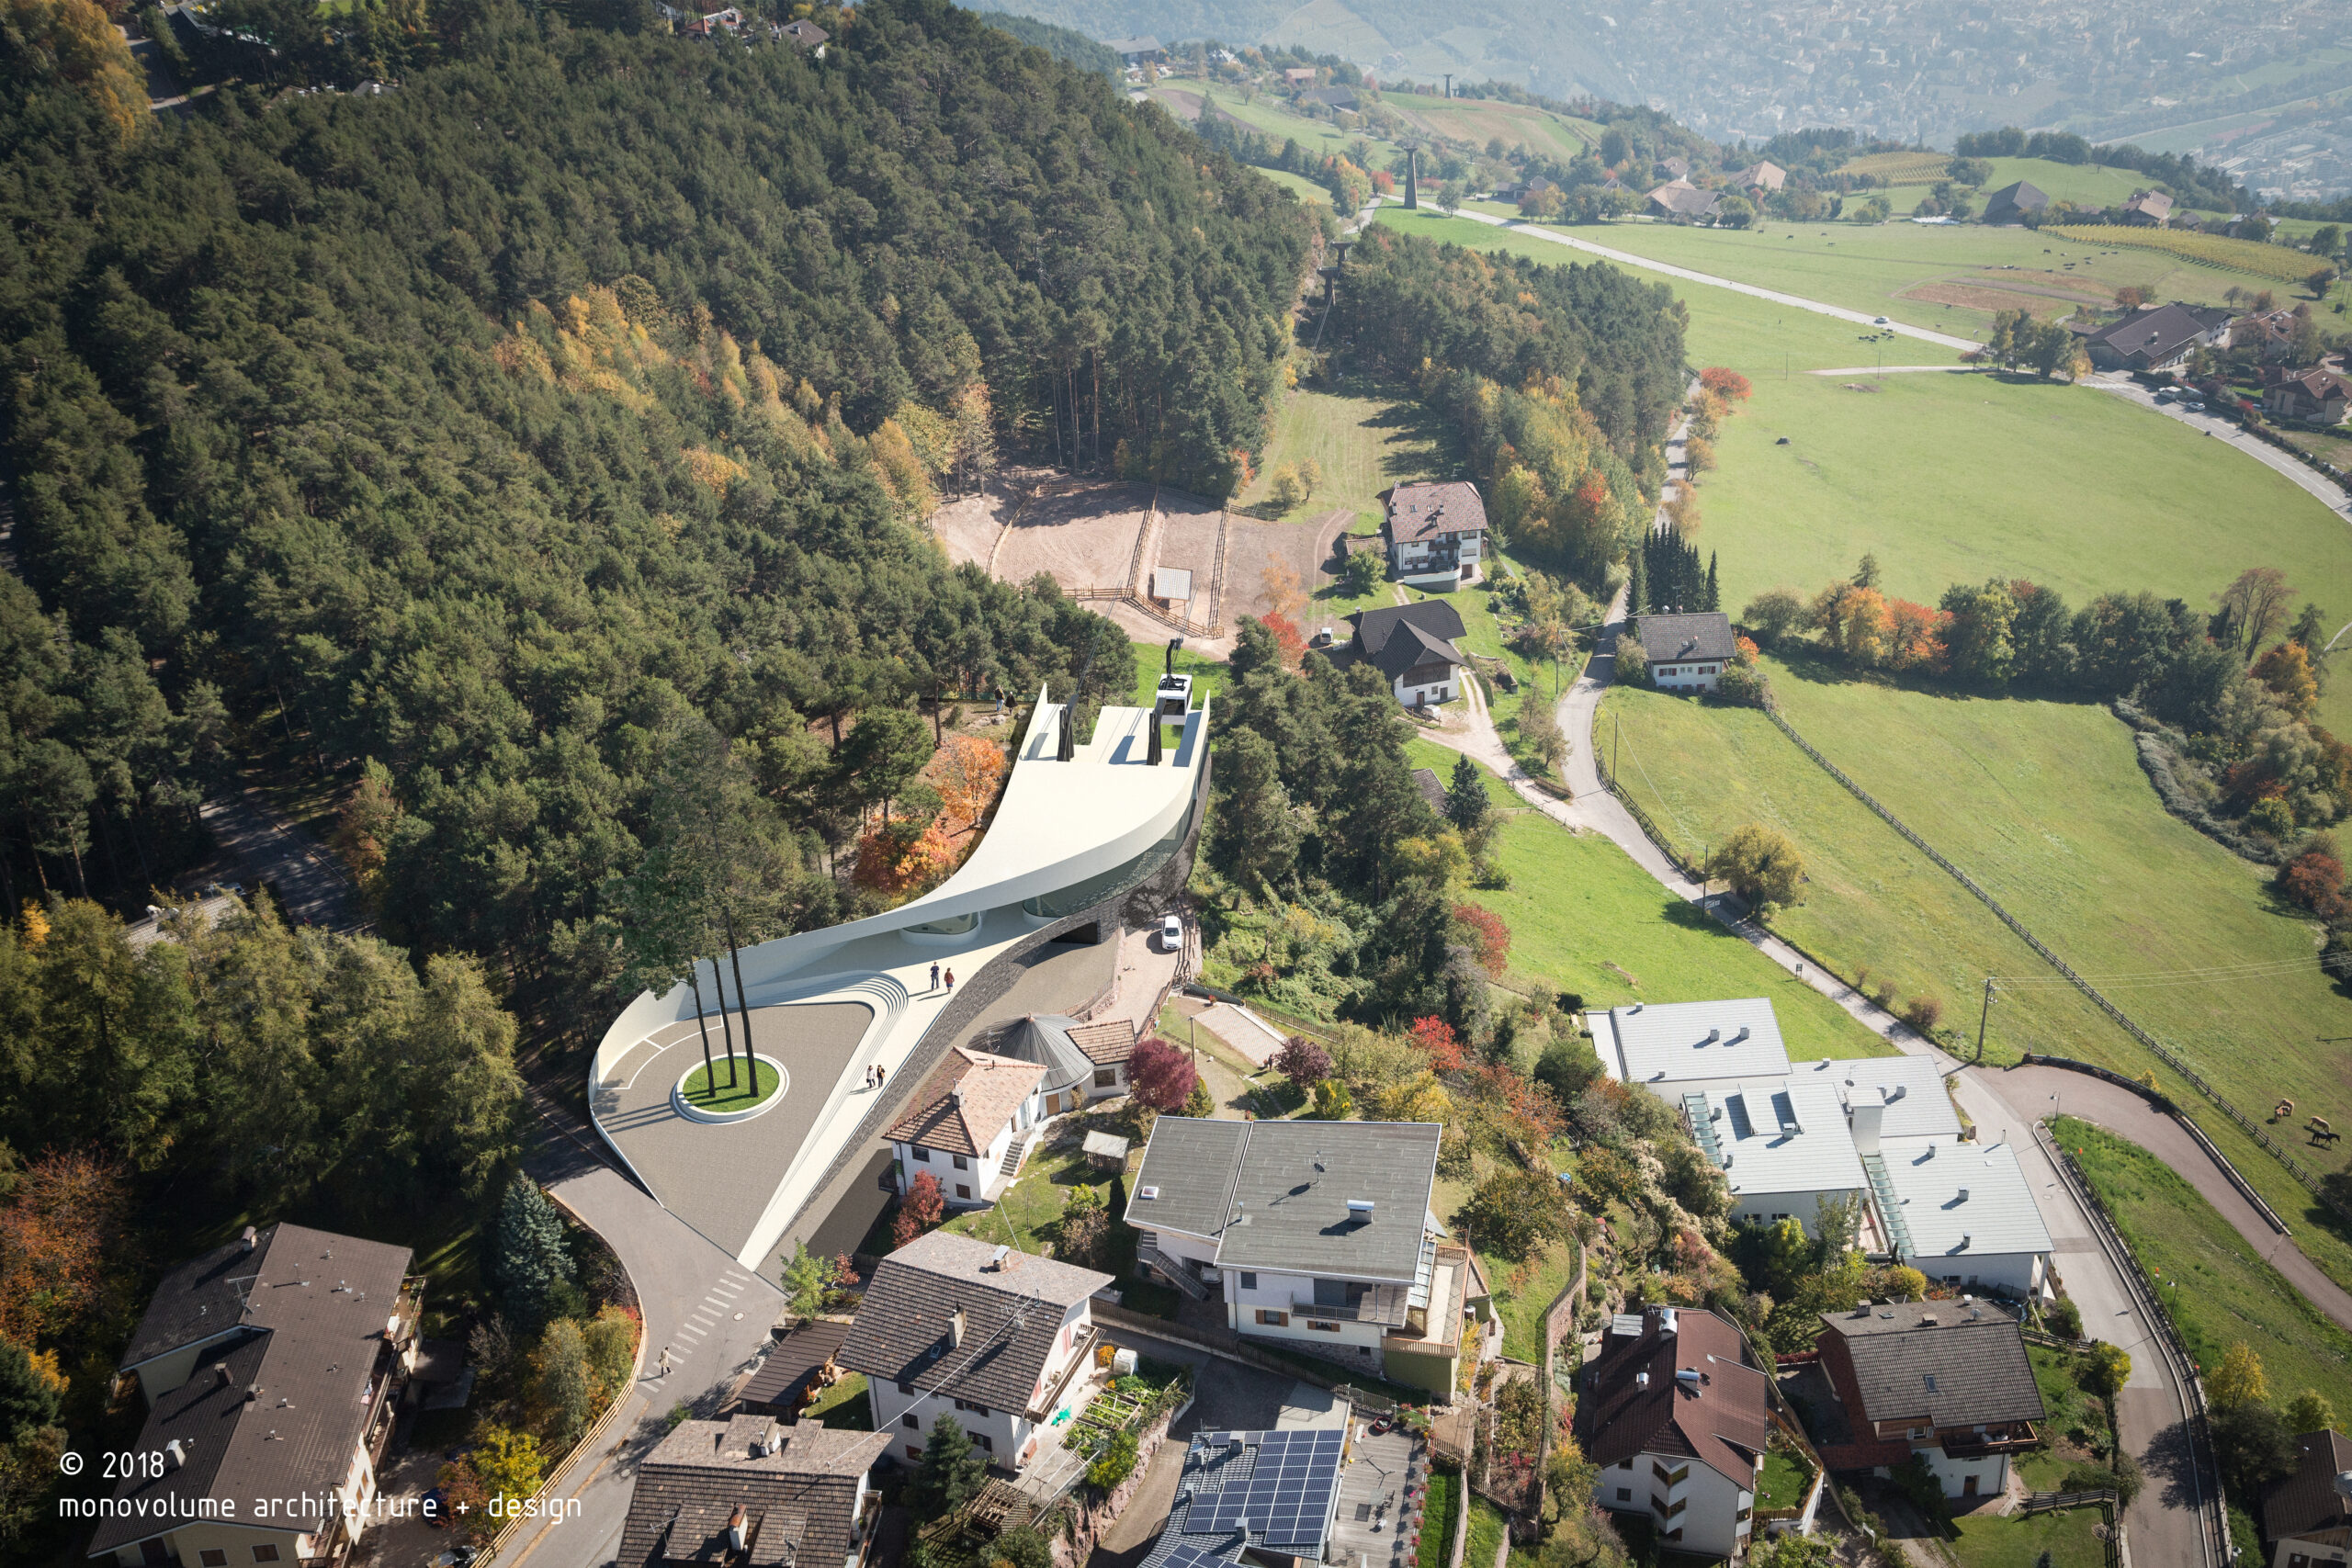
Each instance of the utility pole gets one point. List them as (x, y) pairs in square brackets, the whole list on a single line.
[(1449, 84), (1981, 1017), (1613, 728)]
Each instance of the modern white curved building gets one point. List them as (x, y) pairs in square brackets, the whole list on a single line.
[(1079, 829)]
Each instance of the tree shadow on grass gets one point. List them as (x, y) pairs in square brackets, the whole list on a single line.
[(1685, 916)]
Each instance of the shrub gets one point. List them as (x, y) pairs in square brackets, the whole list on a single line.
[(1516, 1211), (1114, 1464), (1923, 1013), (1164, 1075), (1762, 867), (1302, 1061), (923, 1206), (2064, 1318), (1633, 664), (2313, 880), (1333, 1102)]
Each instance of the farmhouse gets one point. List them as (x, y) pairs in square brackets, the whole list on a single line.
[(1681, 198), (1946, 1381), (806, 35), (1519, 195), (2316, 396), (1315, 1234), (2307, 1518), (1677, 1420), (2011, 203), (1437, 534), (2271, 333), (1298, 76), (1687, 653), (2148, 208), (2155, 337), (971, 1125), (1135, 50), (1672, 168), (1332, 98), (748, 1490), (988, 1334), (1762, 178), (271, 1367), (1413, 646)]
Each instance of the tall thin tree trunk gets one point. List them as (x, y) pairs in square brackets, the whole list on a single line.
[(709, 1078), (742, 1000), (725, 1028)]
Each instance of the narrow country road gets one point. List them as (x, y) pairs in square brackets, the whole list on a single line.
[(710, 1314), (2326, 491)]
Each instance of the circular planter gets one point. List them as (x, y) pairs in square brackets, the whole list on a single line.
[(692, 1112)]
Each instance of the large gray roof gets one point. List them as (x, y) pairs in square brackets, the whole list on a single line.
[(1704, 634), (800, 1496), (1397, 637), (1933, 1358), (1962, 1201), (1784, 1135), (1917, 1104), (1012, 1313), (1669, 1043), (1278, 1198)]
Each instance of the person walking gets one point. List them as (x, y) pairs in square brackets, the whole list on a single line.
[(665, 1361), (881, 1075), (951, 982), (934, 977)]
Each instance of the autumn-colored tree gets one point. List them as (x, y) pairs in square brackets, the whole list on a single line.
[(2285, 670), (503, 1465), (1302, 1061), (1418, 1099), (967, 775), (923, 1206), (2314, 880), (1727, 384), (1164, 1075), (1915, 635), (898, 858), (1853, 620), (1287, 637), (367, 823), (60, 1231), (1489, 937), (2239, 1380), (2255, 606), (1437, 1041)]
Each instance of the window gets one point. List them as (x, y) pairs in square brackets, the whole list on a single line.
[(213, 1557), (922, 1154), (1625, 1494), (1322, 1328), (1106, 1077), (907, 1388), (1675, 1477), (1667, 1510), (910, 1423), (1272, 1319), (974, 1409), (1624, 1464), (265, 1552), (986, 1443), (1248, 1280), (962, 1191), (914, 1452), (962, 1164)]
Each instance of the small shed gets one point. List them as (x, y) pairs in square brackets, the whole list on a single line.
[(800, 1366), (1171, 585), (1106, 1151)]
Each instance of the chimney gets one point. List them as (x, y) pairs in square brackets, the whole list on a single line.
[(1666, 1320), (249, 1239), (996, 1259), (1964, 1195), (1712, 1035), (1966, 1241), (956, 1322), (1689, 1378), (1866, 1115), (220, 1373), (1741, 1035), (1360, 1211), (738, 1535), (1861, 1309), (178, 1458), (1641, 1380)]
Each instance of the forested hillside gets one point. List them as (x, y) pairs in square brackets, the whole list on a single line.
[(515, 428)]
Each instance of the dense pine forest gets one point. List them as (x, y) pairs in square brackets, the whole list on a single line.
[(582, 392)]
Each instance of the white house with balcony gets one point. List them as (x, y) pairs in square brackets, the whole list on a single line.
[(997, 1338), (1678, 1421), (1437, 534), (970, 1127)]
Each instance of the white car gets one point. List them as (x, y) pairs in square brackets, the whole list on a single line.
[(1172, 933), (1878, 321)]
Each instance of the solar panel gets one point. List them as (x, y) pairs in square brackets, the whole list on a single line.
[(1281, 1493)]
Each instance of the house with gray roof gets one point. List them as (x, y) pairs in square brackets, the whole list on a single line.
[(1674, 1048), (1687, 652), (1437, 534), (271, 1366), (2155, 337), (1947, 1380), (1681, 198), (1315, 1234), (754, 1492), (1135, 50), (990, 1335), (1413, 647), (1677, 1419), (1961, 1213), (2014, 202), (2307, 1518)]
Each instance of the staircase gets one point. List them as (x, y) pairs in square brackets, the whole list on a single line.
[(1016, 1154), (1147, 1255)]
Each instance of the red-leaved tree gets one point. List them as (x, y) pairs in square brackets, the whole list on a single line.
[(1436, 1038), (1490, 938), (1287, 636), (1302, 1062), (1726, 383), (1164, 1075), (61, 1234), (2314, 879), (923, 1206)]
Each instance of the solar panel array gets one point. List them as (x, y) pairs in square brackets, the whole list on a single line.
[(1286, 1495)]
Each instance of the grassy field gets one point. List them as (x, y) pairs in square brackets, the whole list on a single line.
[(2045, 805), (1439, 1506), (1488, 1530), (1364, 438), (2216, 1287), (1152, 662), (2085, 184), (1990, 1540), (1299, 185), (1478, 120), (1585, 919)]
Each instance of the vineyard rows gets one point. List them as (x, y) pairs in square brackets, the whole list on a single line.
[(2212, 250)]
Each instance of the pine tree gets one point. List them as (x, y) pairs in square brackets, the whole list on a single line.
[(1465, 797), (1714, 599), (532, 1257), (952, 1470), (563, 1378), (1637, 580)]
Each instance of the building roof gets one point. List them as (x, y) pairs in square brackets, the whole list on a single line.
[(1432, 788), (1430, 511), (1280, 1196), (306, 1312), (2020, 195), (1226, 1473), (1395, 639), (1704, 634), (1681, 195), (1012, 1310), (1185, 1183), (1046, 1038), (1674, 168), (1106, 1043), (1719, 1416), (2155, 332), (799, 1492), (1783, 1135), (1961, 1200), (1957, 1364), (1666, 1043), (808, 35), (792, 1365), (2307, 1501), (1144, 45), (1172, 584), (2316, 384), (2153, 204), (967, 1101), (1331, 98), (1771, 176), (1917, 1105)]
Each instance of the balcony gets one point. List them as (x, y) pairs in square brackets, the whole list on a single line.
[(1383, 1305), (2014, 1438)]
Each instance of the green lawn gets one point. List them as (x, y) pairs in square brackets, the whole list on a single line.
[(1584, 917), (1299, 185), (724, 1086), (2085, 184), (1488, 1530), (1482, 622), (1365, 438), (1151, 662), (1438, 1507), (844, 1406), (1026, 1212), (2069, 1412), (1558, 137), (2217, 1289), (2043, 804), (1524, 1291), (1989, 1541)]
